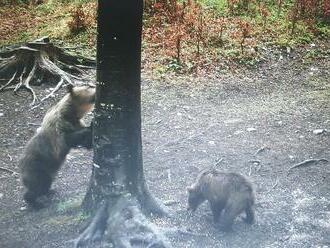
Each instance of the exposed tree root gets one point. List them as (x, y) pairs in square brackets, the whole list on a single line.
[(40, 62), (307, 163), (95, 230), (151, 205), (51, 94), (124, 225)]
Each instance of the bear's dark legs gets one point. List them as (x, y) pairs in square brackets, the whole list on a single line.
[(227, 221), (31, 199), (231, 211), (249, 214), (37, 186), (83, 137), (216, 209)]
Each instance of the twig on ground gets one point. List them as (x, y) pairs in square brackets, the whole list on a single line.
[(10, 157), (252, 163), (218, 162), (256, 162), (262, 149), (250, 171), (285, 238), (72, 47), (8, 170), (182, 139), (169, 232), (259, 167), (169, 177), (275, 184), (307, 163), (34, 124), (170, 202)]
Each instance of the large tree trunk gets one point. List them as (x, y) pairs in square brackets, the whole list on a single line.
[(118, 189)]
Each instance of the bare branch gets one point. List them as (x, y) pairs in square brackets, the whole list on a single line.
[(260, 150), (178, 231), (8, 170), (308, 162)]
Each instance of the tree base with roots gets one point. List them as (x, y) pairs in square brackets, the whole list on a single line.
[(122, 224), (38, 62)]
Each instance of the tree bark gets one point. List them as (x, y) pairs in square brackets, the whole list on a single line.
[(118, 190)]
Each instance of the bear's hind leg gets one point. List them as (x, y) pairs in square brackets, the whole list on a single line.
[(231, 211), (39, 186), (216, 209), (249, 214), (32, 200)]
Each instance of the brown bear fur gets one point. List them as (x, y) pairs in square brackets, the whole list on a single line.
[(61, 130), (229, 194)]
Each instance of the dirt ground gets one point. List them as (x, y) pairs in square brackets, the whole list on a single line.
[(190, 124)]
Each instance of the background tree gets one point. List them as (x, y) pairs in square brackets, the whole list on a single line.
[(117, 188)]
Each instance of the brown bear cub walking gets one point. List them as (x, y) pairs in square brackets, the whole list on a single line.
[(227, 193), (61, 130)]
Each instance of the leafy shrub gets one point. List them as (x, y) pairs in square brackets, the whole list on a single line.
[(77, 22), (83, 16)]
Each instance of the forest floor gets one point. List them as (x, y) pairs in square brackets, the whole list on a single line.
[(260, 122)]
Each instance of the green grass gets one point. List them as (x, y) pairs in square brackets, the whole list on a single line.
[(61, 220), (277, 22), (220, 6), (323, 30), (68, 205), (273, 30)]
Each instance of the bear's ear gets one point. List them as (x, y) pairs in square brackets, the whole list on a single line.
[(70, 88)]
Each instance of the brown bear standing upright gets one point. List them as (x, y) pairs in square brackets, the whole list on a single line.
[(229, 193), (61, 130)]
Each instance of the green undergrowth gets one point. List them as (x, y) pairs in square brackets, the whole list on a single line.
[(72, 24)]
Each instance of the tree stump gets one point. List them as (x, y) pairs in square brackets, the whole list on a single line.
[(38, 62)]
